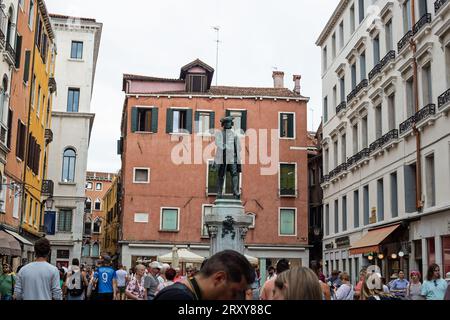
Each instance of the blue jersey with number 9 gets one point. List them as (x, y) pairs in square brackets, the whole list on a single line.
[(105, 276)]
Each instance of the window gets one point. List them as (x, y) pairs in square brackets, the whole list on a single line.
[(394, 195), (204, 121), (141, 217), (335, 154), (333, 45), (89, 185), (169, 219), (362, 66), (355, 138), (179, 121), (324, 59), (288, 186), (426, 85), (196, 83), (77, 50), (3, 97), (391, 112), (336, 216), (380, 200), (378, 124), (423, 8), (326, 161), (144, 120), (366, 205), (38, 110), (98, 205), (341, 35), (87, 227), (18, 56), (352, 19), (88, 205), (65, 220), (344, 213), (31, 15), (97, 226), (207, 210), (343, 148), (34, 154), (335, 97), (240, 120), (312, 177), (69, 160), (141, 175), (430, 180), (327, 220), (288, 222), (62, 254), (26, 70), (95, 250), (389, 36), (364, 133), (325, 109), (376, 50), (98, 186), (33, 93), (73, 100), (287, 125), (353, 72), (410, 188), (86, 250), (410, 100), (342, 86), (407, 24), (361, 10)]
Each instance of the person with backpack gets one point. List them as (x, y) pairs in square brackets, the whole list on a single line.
[(7, 282), (76, 282)]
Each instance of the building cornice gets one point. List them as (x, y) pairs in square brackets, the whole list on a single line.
[(62, 114), (337, 14), (190, 96)]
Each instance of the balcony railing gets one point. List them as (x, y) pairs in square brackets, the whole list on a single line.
[(424, 20), (11, 53), (341, 107), (338, 170), (405, 40), (377, 69), (444, 98), (364, 83), (388, 137), (47, 188), (325, 178), (3, 26), (358, 157), (438, 5), (422, 114)]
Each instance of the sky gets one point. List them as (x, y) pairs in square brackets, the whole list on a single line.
[(158, 37)]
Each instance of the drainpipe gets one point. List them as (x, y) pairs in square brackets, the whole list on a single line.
[(419, 202)]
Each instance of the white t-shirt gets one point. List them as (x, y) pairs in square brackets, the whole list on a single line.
[(121, 277)]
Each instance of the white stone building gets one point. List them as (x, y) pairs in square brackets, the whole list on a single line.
[(371, 213), (78, 42)]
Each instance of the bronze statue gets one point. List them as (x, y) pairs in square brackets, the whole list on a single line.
[(228, 157)]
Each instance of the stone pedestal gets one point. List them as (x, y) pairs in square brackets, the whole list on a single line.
[(227, 225)]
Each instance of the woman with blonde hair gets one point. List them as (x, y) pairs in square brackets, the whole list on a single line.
[(299, 283)]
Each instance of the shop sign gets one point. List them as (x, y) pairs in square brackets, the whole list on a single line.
[(342, 242)]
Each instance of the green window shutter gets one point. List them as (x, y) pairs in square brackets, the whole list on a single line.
[(212, 120), (290, 125), (134, 119), (197, 124), (244, 121), (18, 50), (189, 120), (154, 120), (212, 178), (26, 72), (287, 222), (169, 121), (282, 134), (120, 146)]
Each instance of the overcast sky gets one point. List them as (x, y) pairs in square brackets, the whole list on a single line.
[(158, 37)]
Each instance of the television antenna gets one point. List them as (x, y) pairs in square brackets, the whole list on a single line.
[(217, 29)]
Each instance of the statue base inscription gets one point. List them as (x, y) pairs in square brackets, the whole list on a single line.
[(228, 226)]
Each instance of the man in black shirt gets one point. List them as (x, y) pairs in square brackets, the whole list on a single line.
[(225, 276)]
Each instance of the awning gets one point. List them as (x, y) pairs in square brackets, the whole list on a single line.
[(372, 240), (184, 256), (9, 246), (20, 238)]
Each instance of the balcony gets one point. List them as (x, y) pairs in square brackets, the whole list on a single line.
[(363, 84), (47, 188), (444, 102), (390, 56), (404, 41), (439, 4), (365, 153), (384, 141), (336, 173), (3, 26), (9, 54), (418, 119), (420, 29), (341, 107), (48, 136)]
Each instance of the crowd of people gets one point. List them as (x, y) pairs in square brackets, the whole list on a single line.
[(226, 275)]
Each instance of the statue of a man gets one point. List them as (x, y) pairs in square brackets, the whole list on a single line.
[(228, 157)]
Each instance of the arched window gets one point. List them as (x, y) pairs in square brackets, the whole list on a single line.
[(87, 227), (95, 250), (97, 225), (88, 205), (10, 31), (3, 97), (98, 205), (86, 250), (69, 159)]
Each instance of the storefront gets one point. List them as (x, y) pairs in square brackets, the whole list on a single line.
[(10, 250)]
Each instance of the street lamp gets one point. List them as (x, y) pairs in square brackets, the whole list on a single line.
[(381, 256), (49, 203)]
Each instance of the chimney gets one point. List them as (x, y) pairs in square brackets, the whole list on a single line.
[(278, 79), (297, 87)]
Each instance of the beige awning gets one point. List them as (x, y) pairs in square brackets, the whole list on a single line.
[(372, 240), (184, 256), (9, 246), (20, 238)]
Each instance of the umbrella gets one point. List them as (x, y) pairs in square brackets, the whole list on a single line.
[(175, 257), (184, 256)]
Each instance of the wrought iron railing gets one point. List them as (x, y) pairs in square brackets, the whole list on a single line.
[(424, 20), (47, 188), (408, 124), (388, 137), (438, 5), (11, 52), (325, 178), (341, 107), (405, 40), (364, 83), (358, 157), (444, 98), (422, 114), (377, 69)]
